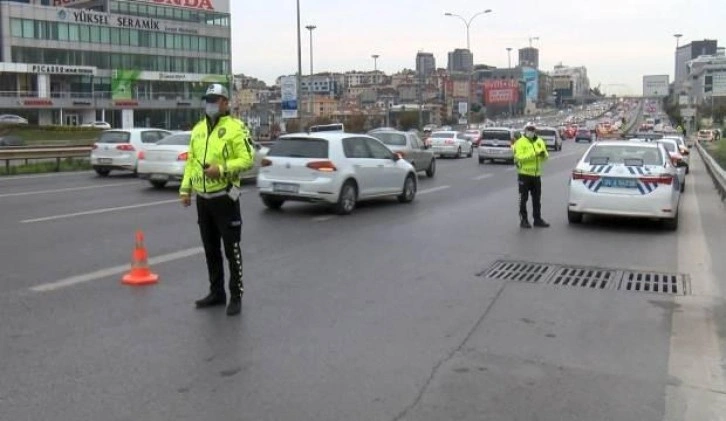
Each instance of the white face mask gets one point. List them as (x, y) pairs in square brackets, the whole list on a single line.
[(212, 110), (529, 135)]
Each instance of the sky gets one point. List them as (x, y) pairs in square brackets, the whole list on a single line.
[(618, 41)]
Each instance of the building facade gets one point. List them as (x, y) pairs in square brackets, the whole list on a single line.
[(460, 60), (529, 57), (425, 64), (688, 52), (142, 63)]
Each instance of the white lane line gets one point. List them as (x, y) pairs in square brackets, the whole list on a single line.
[(115, 270), (97, 211), (433, 189), (30, 177), (67, 189), (323, 218), (483, 176)]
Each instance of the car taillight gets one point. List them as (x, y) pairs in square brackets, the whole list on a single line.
[(142, 155), (183, 156), (265, 163), (94, 146), (659, 179), (675, 160), (586, 176), (324, 166), (126, 147)]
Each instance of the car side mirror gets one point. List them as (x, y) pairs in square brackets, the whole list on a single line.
[(396, 157)]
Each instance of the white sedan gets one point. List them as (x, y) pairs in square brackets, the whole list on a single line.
[(334, 168), (451, 143), (632, 179)]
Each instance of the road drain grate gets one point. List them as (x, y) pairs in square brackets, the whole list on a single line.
[(584, 277), (662, 283), (517, 271), (589, 277)]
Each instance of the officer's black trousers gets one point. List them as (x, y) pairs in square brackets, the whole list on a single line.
[(219, 218), (530, 184)]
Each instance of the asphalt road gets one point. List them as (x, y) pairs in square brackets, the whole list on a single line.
[(375, 316)]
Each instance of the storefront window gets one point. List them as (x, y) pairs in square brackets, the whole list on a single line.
[(28, 29), (105, 35), (73, 33), (16, 28), (85, 33)]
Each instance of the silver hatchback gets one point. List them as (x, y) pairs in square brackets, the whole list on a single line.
[(496, 144), (410, 147)]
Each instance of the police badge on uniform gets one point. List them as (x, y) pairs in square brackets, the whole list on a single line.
[(221, 132)]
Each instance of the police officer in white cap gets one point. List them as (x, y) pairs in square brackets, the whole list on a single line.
[(220, 149)]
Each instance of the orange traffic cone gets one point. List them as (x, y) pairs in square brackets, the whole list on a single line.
[(140, 273)]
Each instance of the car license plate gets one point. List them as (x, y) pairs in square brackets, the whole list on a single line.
[(285, 188), (105, 161), (625, 183), (159, 177)]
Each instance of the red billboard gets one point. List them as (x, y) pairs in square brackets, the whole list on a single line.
[(501, 92)]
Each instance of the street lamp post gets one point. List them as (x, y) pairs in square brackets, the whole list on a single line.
[(678, 39), (375, 62), (299, 63), (509, 57), (310, 28), (468, 48)]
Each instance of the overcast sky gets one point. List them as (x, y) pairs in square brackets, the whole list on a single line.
[(619, 41)]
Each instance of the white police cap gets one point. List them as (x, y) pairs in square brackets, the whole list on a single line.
[(216, 89)]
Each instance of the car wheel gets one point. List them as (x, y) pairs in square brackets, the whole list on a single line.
[(431, 170), (458, 153), (409, 190), (481, 160), (347, 198), (103, 172), (273, 203), (688, 170), (471, 152), (158, 184), (671, 224), (683, 187), (574, 217)]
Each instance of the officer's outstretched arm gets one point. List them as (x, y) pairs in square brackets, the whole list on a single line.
[(242, 157)]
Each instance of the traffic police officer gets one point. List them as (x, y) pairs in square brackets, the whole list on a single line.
[(220, 149), (530, 153)]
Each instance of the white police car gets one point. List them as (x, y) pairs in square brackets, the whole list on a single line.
[(631, 179)]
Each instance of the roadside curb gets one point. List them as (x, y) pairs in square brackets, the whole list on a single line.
[(714, 169)]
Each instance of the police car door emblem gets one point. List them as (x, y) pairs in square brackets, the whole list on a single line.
[(221, 132)]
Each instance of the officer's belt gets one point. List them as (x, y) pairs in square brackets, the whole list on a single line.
[(213, 195)]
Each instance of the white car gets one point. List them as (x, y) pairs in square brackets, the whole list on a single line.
[(451, 143), (684, 149), (165, 161), (550, 136), (677, 159), (119, 149), (334, 168), (98, 125), (632, 179)]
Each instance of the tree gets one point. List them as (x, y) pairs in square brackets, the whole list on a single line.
[(292, 125), (408, 120), (355, 123)]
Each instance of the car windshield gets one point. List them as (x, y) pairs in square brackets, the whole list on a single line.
[(299, 148), (624, 154), (443, 135), (496, 135), (546, 133), (114, 137), (670, 146), (175, 139), (390, 138)]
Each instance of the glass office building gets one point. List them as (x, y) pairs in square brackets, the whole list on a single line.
[(132, 63)]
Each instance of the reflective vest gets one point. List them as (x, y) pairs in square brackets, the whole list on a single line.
[(526, 156), (226, 145)]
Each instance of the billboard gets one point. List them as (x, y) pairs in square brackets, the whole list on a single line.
[(656, 85), (531, 80), (501, 92), (288, 91)]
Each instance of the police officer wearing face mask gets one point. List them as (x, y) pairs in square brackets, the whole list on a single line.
[(219, 151), (530, 153)]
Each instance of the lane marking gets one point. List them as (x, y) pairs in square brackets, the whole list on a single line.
[(483, 176), (433, 189), (113, 271), (67, 189), (98, 211), (30, 177), (323, 218)]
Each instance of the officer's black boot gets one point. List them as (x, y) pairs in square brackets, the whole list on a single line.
[(524, 223), (211, 300), (236, 286), (235, 306), (541, 223)]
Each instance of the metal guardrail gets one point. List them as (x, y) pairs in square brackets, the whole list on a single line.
[(717, 173), (14, 153)]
